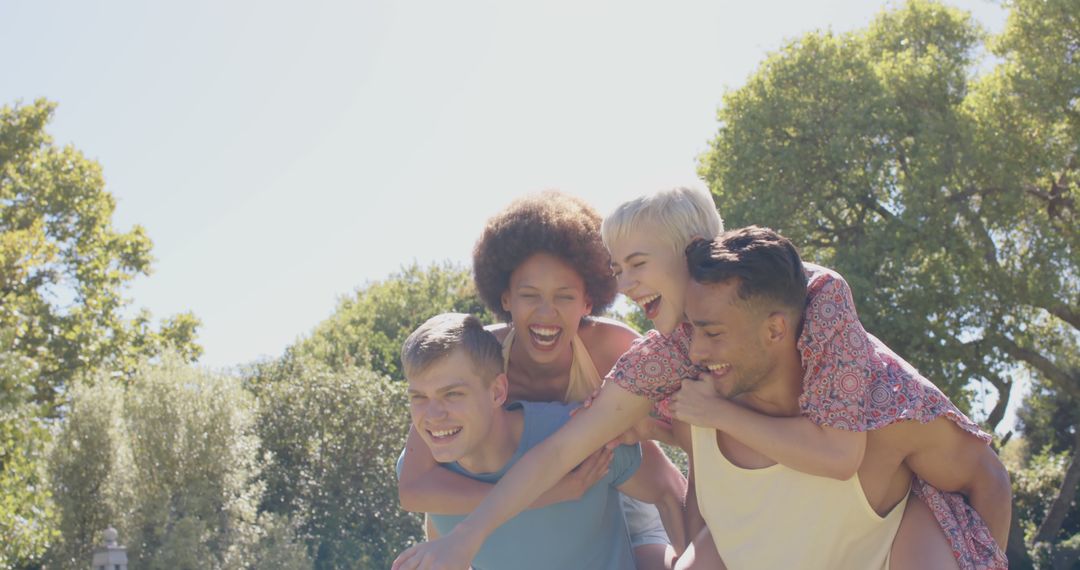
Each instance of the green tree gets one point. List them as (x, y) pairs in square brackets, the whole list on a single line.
[(26, 512), (367, 329), (173, 462), (947, 198), (63, 269), (63, 266), (334, 437)]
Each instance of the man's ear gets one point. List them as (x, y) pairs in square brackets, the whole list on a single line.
[(500, 389), (777, 326)]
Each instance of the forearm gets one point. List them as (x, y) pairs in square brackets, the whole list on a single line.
[(795, 442), (694, 521), (673, 516), (536, 471), (439, 491), (659, 481), (614, 411), (442, 492), (425, 487)]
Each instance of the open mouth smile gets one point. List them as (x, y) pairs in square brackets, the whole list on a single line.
[(650, 304), (718, 370), (544, 337), (443, 435)]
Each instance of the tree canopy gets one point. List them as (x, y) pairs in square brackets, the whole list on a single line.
[(63, 270), (63, 266), (946, 195)]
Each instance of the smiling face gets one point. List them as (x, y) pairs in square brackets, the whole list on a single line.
[(452, 408), (546, 301), (731, 338), (652, 274)]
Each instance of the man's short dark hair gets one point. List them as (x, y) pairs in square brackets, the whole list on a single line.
[(766, 264)]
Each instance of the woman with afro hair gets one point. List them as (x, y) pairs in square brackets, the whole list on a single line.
[(540, 265)]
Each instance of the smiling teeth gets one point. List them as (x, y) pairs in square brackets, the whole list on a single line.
[(647, 299), (545, 336), (718, 367), (444, 433)]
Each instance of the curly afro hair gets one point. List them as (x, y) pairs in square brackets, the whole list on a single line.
[(550, 222)]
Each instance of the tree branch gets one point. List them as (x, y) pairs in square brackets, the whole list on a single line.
[(1066, 313), (1004, 389), (1061, 379)]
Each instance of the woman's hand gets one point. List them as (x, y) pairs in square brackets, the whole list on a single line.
[(697, 403), (446, 553)]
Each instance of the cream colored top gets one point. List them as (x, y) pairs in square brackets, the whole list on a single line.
[(776, 517), (584, 379)]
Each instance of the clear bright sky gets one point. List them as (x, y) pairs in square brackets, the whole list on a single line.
[(281, 154)]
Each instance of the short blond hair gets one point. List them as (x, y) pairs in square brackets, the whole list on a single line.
[(442, 334), (680, 214)]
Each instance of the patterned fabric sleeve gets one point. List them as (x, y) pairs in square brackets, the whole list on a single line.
[(854, 382), (835, 354), (972, 544), (655, 365)]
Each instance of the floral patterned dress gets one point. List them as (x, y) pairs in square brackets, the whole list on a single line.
[(852, 382)]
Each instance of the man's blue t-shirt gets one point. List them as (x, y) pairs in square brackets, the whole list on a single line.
[(587, 533)]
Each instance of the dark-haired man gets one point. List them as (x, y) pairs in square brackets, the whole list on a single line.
[(847, 470)]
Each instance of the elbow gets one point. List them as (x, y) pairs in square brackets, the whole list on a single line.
[(995, 482), (844, 466)]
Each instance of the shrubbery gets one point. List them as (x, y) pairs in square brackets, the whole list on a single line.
[(332, 438), (172, 462)]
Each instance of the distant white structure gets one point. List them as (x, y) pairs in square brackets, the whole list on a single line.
[(111, 556)]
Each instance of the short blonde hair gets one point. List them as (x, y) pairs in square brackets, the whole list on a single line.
[(680, 214), (442, 334)]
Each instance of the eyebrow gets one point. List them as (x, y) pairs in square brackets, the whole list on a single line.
[(635, 254), (527, 286), (706, 323), (441, 390)]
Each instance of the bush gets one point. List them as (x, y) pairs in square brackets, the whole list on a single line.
[(173, 463), (332, 438)]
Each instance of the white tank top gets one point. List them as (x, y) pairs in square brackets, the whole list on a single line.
[(776, 517)]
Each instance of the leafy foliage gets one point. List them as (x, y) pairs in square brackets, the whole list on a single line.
[(63, 266), (930, 191), (368, 329), (26, 514), (947, 198), (172, 462), (334, 436)]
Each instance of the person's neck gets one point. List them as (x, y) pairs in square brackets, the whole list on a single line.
[(540, 372), (778, 394), (499, 445)]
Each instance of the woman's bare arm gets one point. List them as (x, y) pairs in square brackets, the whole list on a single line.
[(613, 412), (424, 487)]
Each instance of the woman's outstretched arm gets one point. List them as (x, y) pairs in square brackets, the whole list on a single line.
[(613, 412)]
